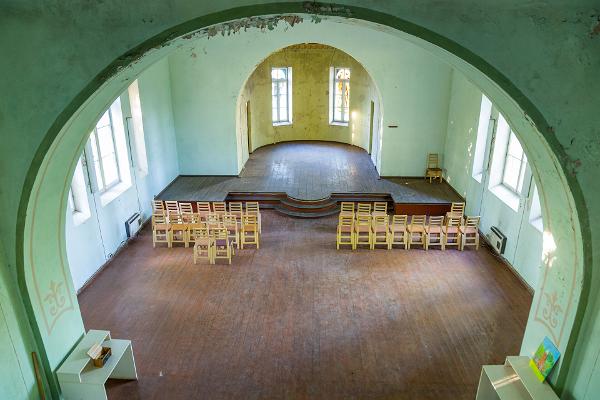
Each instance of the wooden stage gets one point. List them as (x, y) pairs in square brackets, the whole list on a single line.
[(300, 178)]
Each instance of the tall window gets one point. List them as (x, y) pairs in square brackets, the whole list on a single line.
[(340, 98), (78, 201), (281, 83), (104, 153), (514, 165), (138, 127), (485, 113)]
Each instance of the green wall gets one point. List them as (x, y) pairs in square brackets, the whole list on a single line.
[(310, 65)]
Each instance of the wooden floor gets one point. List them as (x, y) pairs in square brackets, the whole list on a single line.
[(309, 170), (299, 320)]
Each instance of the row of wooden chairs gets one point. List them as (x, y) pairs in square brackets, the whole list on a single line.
[(347, 208), (204, 208), (451, 230)]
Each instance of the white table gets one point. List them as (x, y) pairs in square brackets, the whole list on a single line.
[(512, 381), (78, 377)]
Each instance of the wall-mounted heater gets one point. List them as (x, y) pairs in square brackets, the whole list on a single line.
[(133, 225), (497, 240)]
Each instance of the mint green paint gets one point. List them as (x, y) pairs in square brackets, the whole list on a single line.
[(500, 40)]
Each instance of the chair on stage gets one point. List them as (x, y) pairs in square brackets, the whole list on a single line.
[(161, 230), (398, 231), (203, 209), (252, 208), (204, 245), (380, 231), (223, 248), (451, 232), (347, 208), (345, 231), (433, 170), (416, 231), (363, 235), (470, 233), (250, 233), (379, 208), (230, 222), (433, 232)]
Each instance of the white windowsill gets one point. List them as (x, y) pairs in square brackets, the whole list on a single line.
[(338, 123), (284, 123), (80, 217), (507, 196), (478, 177), (538, 224), (113, 193)]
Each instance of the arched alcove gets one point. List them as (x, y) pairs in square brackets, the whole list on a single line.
[(43, 270)]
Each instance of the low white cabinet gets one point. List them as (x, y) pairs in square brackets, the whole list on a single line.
[(512, 381), (78, 377)]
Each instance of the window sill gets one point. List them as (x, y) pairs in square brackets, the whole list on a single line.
[(538, 224), (478, 177), (507, 196), (113, 193), (282, 123), (338, 123), (80, 217)]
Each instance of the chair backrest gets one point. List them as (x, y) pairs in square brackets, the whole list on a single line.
[(252, 207), (346, 220), (203, 207), (200, 232), (458, 209), (399, 219), (219, 233), (347, 206), (380, 220), (380, 206), (250, 221), (230, 220), (235, 208), (453, 220), (186, 208), (219, 207), (433, 160), (159, 219), (175, 217), (158, 207), (472, 222), (171, 206), (363, 208), (213, 218), (363, 219), (418, 220), (436, 220)]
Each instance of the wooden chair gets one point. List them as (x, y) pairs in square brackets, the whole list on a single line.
[(469, 232), (204, 245), (363, 235), (158, 207), (416, 231), (451, 232), (457, 210), (230, 222), (249, 233), (379, 208), (186, 208), (195, 226), (222, 245), (219, 208), (161, 230), (179, 229), (433, 232), (203, 209), (433, 170), (345, 231), (398, 231), (363, 209), (347, 208), (235, 208), (171, 206), (213, 220), (380, 231), (252, 208)]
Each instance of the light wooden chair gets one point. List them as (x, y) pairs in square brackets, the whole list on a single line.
[(433, 232), (219, 207), (158, 207), (469, 232), (186, 208), (171, 206), (363, 235), (235, 208), (363, 209), (249, 233), (204, 245), (416, 231), (433, 170), (194, 226), (222, 245), (380, 208), (380, 231), (451, 232), (161, 230), (203, 209), (213, 220), (398, 231), (345, 231), (347, 208), (179, 229), (230, 222), (252, 208)]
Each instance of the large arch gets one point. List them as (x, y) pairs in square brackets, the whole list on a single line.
[(42, 269)]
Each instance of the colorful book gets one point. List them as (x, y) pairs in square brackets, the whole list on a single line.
[(544, 359)]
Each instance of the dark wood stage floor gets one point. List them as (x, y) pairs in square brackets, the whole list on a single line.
[(308, 171), (299, 320)]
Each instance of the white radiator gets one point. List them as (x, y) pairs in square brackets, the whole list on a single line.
[(133, 225), (497, 239)]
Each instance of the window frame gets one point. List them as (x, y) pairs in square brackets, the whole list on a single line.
[(522, 165), (344, 111), (95, 143), (276, 119)]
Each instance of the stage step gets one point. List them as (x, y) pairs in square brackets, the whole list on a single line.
[(306, 214), (307, 208)]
